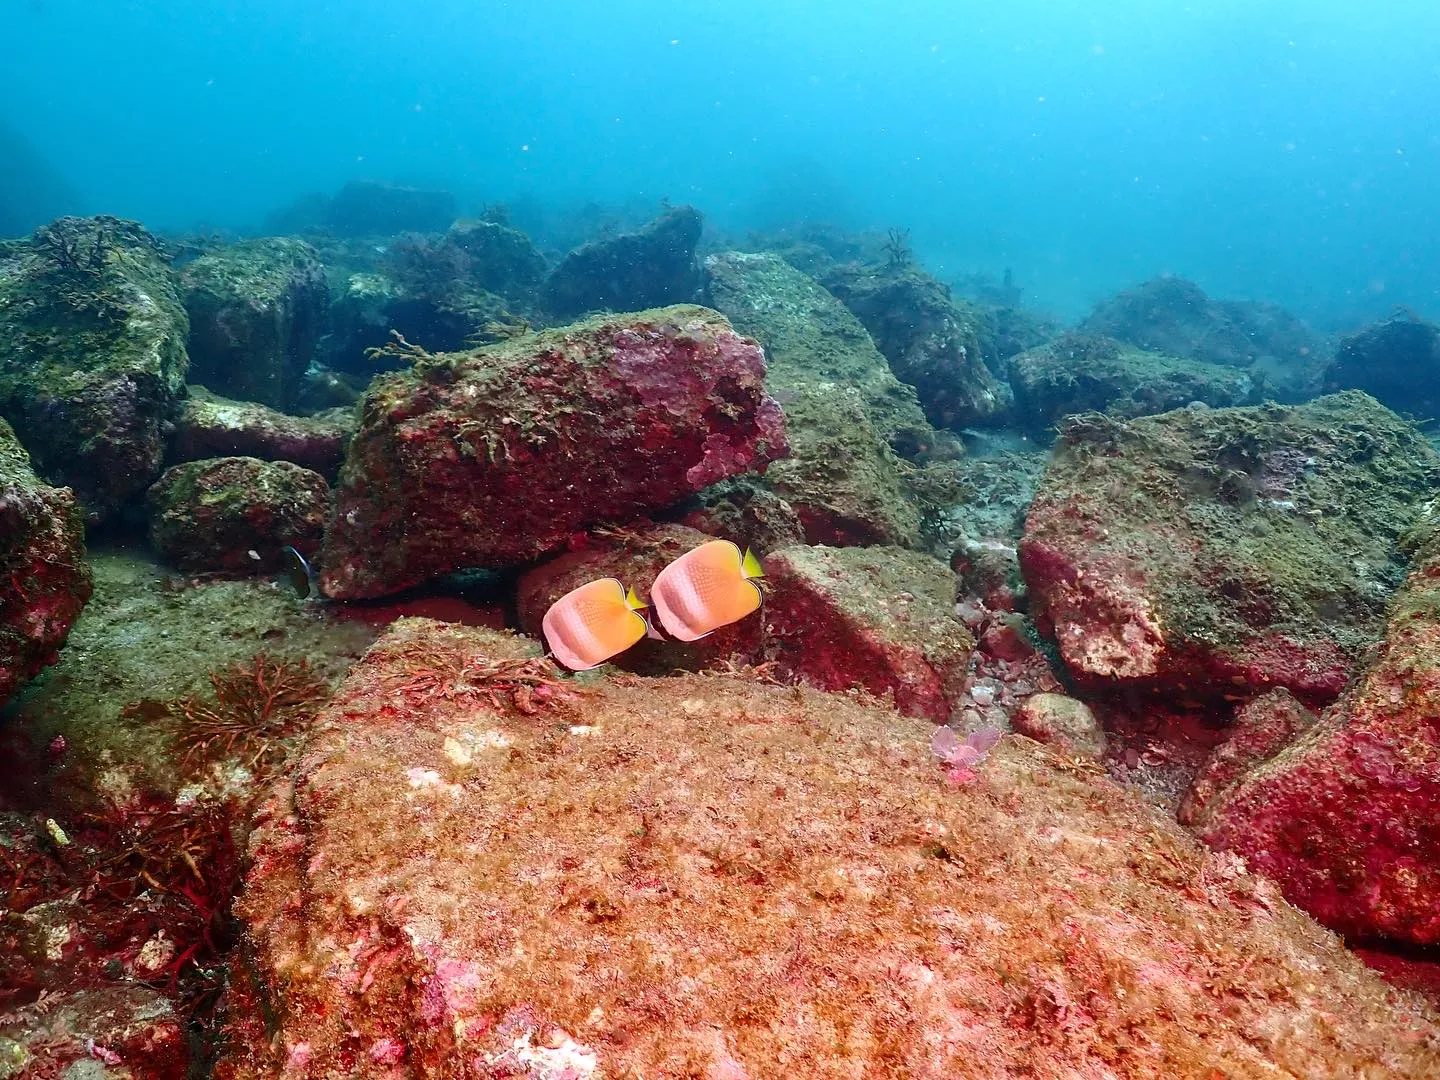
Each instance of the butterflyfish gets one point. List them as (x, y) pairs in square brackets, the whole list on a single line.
[(706, 588), (592, 623)]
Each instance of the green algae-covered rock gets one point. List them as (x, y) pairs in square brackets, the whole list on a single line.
[(497, 456), (1213, 553), (843, 405), (212, 426), (236, 513), (44, 581), (932, 341), (1084, 372), (92, 355), (1174, 316), (650, 267), (808, 335), (256, 312)]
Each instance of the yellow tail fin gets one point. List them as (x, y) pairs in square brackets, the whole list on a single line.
[(750, 565), (633, 601)]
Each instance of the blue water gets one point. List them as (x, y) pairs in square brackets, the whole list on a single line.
[(1275, 149)]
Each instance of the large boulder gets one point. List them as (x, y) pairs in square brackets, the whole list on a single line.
[(933, 341), (473, 871), (236, 513), (497, 456), (499, 258), (649, 268), (1173, 316), (92, 355), (44, 581), (844, 407), (1396, 360), (1346, 816), (1217, 553), (1084, 372), (213, 426), (257, 309)]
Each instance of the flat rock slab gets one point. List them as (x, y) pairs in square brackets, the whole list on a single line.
[(1217, 553), (471, 874), (213, 426), (1346, 818), (44, 580), (497, 456)]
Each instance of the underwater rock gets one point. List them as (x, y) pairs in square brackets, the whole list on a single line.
[(92, 355), (1173, 316), (745, 511), (634, 555), (494, 457), (423, 291), (1396, 360), (96, 1033), (1261, 728), (1085, 372), (1061, 722), (630, 272), (876, 618), (989, 571), (932, 342), (372, 208), (1347, 817), (236, 514), (256, 310), (1216, 553), (809, 336), (843, 405), (500, 259), (474, 870), (42, 567), (212, 426)]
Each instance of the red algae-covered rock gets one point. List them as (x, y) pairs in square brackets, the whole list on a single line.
[(113, 1031), (211, 426), (1347, 818), (1260, 730), (878, 618), (236, 513), (497, 456), (474, 872), (1216, 553), (44, 581)]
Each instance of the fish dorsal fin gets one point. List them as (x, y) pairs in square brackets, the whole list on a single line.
[(750, 565), (633, 601)]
